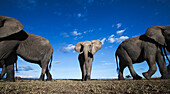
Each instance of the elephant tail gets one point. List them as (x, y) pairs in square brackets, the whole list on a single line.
[(117, 63), (50, 62)]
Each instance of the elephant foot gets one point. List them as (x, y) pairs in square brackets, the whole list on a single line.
[(165, 77), (87, 78), (42, 77), (121, 78), (9, 80), (146, 75), (168, 68), (137, 78), (49, 79), (0, 78)]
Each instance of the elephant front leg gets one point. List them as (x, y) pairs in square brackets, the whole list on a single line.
[(152, 68), (83, 70), (88, 77), (10, 73), (162, 66), (133, 73)]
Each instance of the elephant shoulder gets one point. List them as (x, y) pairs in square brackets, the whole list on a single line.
[(131, 40), (38, 39)]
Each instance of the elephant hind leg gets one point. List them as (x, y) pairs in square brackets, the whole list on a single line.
[(44, 66), (49, 76), (122, 67), (125, 60)]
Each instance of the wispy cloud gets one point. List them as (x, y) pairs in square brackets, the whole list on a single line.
[(120, 31), (27, 4), (79, 15), (76, 33), (118, 25), (64, 34), (103, 40), (88, 31), (26, 76), (56, 62), (108, 64), (122, 38), (111, 39), (68, 48), (25, 68)]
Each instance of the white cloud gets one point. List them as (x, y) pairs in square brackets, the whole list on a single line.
[(122, 38), (64, 34), (76, 33), (56, 62), (79, 15), (103, 40), (88, 31), (108, 64), (111, 39), (68, 48), (111, 77), (25, 76), (120, 31), (118, 25)]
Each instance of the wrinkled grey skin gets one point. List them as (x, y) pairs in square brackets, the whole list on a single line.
[(32, 48), (86, 51), (7, 66), (147, 47)]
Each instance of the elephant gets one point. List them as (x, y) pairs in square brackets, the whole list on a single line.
[(86, 51), (30, 47), (147, 47)]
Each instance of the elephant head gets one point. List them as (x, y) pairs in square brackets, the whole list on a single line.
[(88, 46), (161, 34), (9, 26)]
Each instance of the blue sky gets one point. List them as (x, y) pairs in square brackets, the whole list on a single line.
[(66, 22)]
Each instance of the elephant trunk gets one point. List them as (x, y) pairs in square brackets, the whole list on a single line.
[(87, 67)]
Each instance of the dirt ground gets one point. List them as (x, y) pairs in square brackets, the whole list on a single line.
[(104, 86)]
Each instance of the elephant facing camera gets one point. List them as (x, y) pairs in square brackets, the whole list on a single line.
[(86, 51)]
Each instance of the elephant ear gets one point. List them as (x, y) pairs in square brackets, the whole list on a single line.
[(78, 48), (97, 45), (9, 26), (155, 33)]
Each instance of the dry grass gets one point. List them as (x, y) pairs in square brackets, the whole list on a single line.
[(109, 86)]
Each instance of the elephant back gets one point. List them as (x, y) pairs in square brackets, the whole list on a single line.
[(9, 26)]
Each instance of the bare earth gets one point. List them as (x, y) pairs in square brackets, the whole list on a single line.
[(107, 86)]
